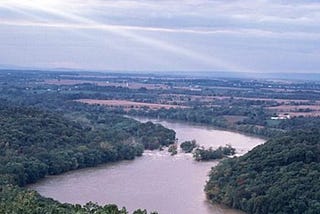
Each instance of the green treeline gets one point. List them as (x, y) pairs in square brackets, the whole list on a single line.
[(35, 143), (257, 120), (202, 154), (254, 124), (28, 88), (21, 201), (280, 176), (188, 146)]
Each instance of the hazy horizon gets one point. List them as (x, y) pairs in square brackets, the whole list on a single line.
[(168, 36)]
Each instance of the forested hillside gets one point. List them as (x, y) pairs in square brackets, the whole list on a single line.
[(46, 130), (35, 143), (280, 176), (21, 201)]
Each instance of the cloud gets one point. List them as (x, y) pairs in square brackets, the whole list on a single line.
[(124, 31), (234, 32), (203, 33)]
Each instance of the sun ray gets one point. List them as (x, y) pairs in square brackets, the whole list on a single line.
[(76, 21)]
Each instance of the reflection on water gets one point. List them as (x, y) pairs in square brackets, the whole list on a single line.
[(155, 181)]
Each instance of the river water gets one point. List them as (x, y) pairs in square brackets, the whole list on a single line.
[(156, 181)]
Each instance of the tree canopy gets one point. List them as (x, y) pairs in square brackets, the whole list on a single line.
[(280, 176), (35, 143)]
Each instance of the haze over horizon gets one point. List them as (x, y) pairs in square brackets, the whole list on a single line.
[(146, 35)]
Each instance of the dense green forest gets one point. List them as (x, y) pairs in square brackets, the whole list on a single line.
[(202, 154), (43, 131), (36, 143), (280, 176), (189, 146), (22, 201)]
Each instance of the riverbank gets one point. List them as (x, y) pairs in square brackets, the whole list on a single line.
[(218, 123), (155, 181)]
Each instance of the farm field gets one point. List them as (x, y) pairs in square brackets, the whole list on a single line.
[(297, 110), (157, 92), (128, 104), (134, 85)]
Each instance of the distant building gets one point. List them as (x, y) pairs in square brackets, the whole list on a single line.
[(281, 117)]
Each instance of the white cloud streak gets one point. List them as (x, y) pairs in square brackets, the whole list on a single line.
[(124, 31), (156, 24), (234, 32)]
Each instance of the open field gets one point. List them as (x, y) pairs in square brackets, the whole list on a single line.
[(134, 85), (128, 104), (285, 101), (182, 93), (212, 98), (304, 114), (297, 110)]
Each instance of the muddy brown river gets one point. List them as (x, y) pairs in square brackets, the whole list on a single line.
[(156, 181)]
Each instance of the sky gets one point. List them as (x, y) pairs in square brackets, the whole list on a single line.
[(264, 36)]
